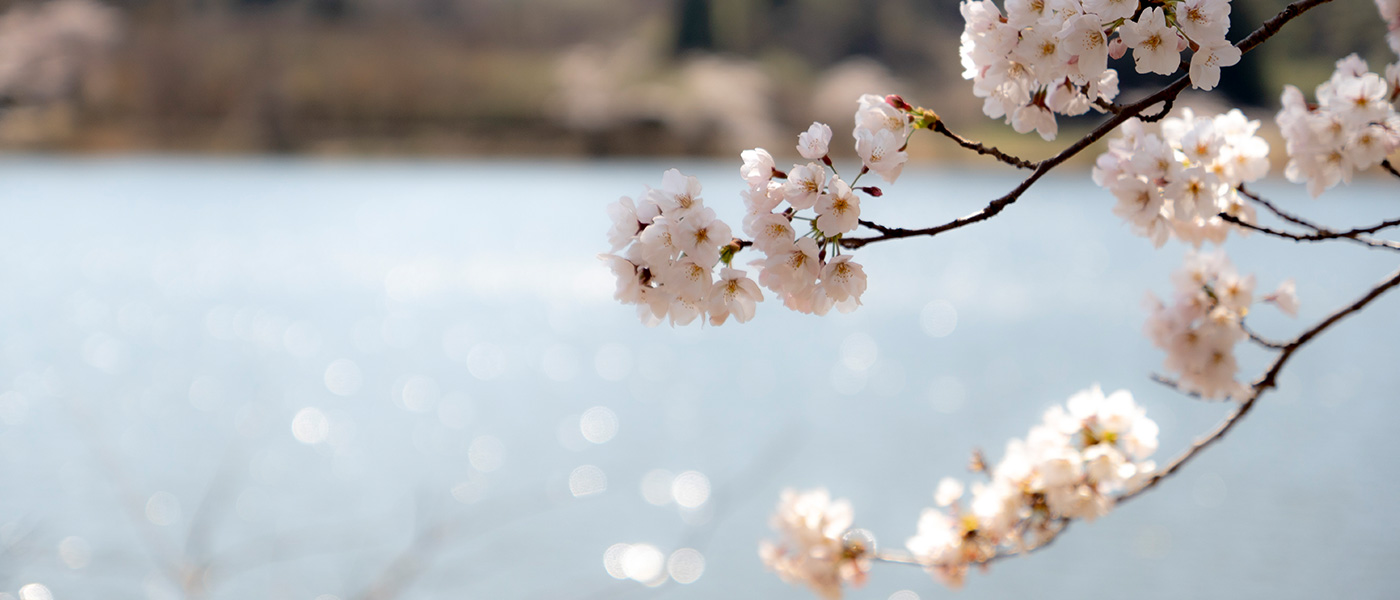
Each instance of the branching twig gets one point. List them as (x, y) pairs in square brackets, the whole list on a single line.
[(1265, 382), (1256, 338), (1322, 231), (1322, 235), (1164, 96), (1173, 384)]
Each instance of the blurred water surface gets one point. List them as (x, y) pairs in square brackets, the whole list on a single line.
[(302, 379)]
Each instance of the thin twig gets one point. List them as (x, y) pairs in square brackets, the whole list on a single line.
[(993, 151), (1174, 384), (1321, 236), (1163, 96), (1291, 218), (1258, 339), (1325, 232), (1385, 164)]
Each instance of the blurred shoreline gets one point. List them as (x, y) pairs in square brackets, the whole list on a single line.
[(525, 78)]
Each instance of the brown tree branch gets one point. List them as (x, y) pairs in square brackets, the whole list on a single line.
[(1265, 382), (1165, 95), (1390, 168), (1325, 232), (1258, 339), (1322, 235), (982, 149)]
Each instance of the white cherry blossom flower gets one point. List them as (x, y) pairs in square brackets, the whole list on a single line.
[(1204, 21), (1285, 298), (758, 168), (805, 185), (882, 152), (734, 294), (1207, 61), (700, 236), (1083, 37), (838, 210), (1035, 117), (1153, 42), (875, 114), (626, 225), (814, 143), (1111, 10), (679, 194), (771, 232), (843, 280), (791, 268), (812, 549)]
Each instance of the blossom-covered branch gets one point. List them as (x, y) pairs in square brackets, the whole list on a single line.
[(1162, 96), (1174, 174), (1265, 382), (1061, 473)]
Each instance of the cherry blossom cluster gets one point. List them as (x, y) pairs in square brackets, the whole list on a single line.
[(1048, 57), (1073, 465), (1352, 127), (1179, 182), (809, 272), (666, 245), (1390, 13), (817, 547), (670, 244), (1204, 323), (1070, 466)]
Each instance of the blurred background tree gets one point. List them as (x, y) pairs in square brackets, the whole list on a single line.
[(484, 76)]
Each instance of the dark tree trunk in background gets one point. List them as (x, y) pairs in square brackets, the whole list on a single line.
[(693, 27), (1244, 82)]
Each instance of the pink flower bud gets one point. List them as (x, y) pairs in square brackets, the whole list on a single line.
[(1181, 43), (1117, 48), (896, 101)]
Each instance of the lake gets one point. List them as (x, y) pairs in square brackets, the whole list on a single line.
[(326, 380)]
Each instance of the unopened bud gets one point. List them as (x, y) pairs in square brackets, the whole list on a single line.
[(1117, 48), (872, 190), (726, 254), (897, 102), (978, 462), (1181, 43)]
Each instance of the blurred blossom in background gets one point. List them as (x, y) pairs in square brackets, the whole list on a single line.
[(301, 301)]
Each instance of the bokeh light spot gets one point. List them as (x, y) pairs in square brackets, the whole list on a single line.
[(343, 377), (938, 318), (691, 489), (598, 424), (587, 480), (686, 565), (310, 426)]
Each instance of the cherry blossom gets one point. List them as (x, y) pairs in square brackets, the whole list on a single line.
[(813, 144), (838, 209), (1353, 127), (813, 548), (1176, 182), (1154, 44), (1070, 466)]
